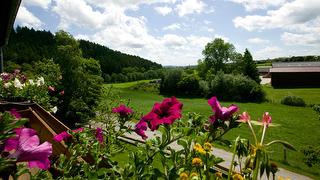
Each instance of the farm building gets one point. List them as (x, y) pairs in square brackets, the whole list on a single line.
[(295, 74)]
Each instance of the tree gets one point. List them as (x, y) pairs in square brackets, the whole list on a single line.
[(217, 53), (249, 67), (81, 79)]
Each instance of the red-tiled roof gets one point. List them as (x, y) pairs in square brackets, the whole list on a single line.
[(295, 69)]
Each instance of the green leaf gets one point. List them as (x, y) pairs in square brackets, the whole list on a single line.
[(284, 143)]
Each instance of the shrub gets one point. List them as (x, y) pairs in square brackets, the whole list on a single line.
[(189, 84), (169, 82), (234, 88), (311, 155), (146, 86), (293, 101)]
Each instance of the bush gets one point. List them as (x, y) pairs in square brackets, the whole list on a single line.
[(169, 83), (293, 101), (189, 84), (234, 88)]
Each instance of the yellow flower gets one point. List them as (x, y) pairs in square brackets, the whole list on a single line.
[(196, 161), (282, 178), (198, 148), (237, 177), (218, 175), (207, 146), (193, 174), (183, 176)]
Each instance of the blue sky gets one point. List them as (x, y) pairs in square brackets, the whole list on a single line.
[(174, 32)]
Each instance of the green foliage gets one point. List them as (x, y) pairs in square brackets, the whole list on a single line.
[(316, 108), (169, 83), (249, 67), (311, 155), (293, 101), (234, 88), (189, 84), (151, 86), (217, 53), (49, 70), (16, 87), (81, 80)]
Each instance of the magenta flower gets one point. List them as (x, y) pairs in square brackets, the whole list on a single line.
[(61, 92), (62, 136), (99, 135), (266, 119), (221, 113), (27, 148), (165, 112), (122, 110), (65, 135), (6, 77), (15, 113), (140, 129)]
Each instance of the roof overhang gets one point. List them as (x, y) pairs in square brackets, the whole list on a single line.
[(8, 12)]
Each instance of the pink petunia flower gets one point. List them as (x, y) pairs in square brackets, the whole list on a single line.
[(65, 135), (140, 129), (27, 148), (221, 113), (61, 92), (122, 110), (266, 118), (99, 135), (15, 113), (165, 113), (62, 136)]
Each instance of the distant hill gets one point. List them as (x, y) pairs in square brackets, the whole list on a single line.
[(28, 45)]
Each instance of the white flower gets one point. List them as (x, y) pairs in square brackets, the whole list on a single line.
[(54, 109), (40, 81), (31, 82), (17, 84), (7, 85)]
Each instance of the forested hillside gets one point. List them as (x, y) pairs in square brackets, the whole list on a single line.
[(29, 45)]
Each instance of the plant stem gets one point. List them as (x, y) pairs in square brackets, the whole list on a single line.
[(253, 133), (263, 133), (233, 156)]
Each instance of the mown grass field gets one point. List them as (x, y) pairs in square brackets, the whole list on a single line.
[(298, 125)]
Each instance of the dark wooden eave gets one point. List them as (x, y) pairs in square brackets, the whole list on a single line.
[(8, 12)]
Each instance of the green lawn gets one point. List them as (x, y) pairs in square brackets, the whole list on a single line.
[(298, 125), (309, 95)]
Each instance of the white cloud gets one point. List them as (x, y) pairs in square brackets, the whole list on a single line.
[(41, 3), (251, 5), (172, 27), (26, 18), (210, 30), (79, 13), (258, 41), (163, 10), (268, 52), (190, 7), (306, 39), (287, 16), (173, 40), (126, 4), (300, 18)]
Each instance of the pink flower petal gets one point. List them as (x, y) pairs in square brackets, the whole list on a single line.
[(99, 135), (140, 129), (62, 136)]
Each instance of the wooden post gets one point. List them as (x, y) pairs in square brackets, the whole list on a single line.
[(285, 155), (1, 63)]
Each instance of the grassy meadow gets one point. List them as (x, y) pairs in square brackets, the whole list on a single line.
[(297, 125)]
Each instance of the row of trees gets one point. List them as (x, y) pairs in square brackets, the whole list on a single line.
[(29, 45), (223, 73)]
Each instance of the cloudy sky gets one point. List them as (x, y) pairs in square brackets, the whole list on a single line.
[(174, 32)]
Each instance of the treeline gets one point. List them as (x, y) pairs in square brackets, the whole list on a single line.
[(290, 59), (29, 45)]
